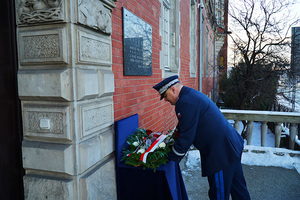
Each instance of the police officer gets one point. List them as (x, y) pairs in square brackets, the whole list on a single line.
[(202, 124)]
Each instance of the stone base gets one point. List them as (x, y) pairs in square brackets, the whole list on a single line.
[(100, 183)]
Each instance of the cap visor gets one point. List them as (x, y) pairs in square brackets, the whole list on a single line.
[(161, 97)]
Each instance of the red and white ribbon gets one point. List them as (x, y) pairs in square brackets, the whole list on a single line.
[(153, 146)]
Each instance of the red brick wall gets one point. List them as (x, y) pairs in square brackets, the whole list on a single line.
[(185, 78), (207, 82), (134, 94)]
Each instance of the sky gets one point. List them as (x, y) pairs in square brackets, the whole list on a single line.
[(294, 12), (277, 157)]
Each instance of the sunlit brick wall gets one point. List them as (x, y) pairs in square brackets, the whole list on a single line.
[(134, 94)]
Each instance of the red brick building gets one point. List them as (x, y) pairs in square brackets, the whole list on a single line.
[(194, 25)]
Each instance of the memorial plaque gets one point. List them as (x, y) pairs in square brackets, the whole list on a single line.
[(137, 42)]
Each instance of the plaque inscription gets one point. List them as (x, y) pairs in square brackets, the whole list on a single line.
[(137, 37)]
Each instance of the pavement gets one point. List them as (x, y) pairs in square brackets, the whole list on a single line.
[(264, 183)]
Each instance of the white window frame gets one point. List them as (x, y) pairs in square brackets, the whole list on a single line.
[(193, 39), (170, 48), (207, 52), (166, 35)]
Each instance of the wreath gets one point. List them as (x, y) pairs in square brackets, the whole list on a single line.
[(148, 149)]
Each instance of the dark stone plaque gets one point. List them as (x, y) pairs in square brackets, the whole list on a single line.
[(137, 41)]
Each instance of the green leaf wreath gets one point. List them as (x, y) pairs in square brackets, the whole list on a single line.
[(139, 141)]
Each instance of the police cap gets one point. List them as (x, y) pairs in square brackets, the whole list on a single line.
[(165, 84)]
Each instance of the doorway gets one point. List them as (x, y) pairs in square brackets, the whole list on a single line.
[(11, 170)]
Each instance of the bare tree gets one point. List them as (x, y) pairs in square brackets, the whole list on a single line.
[(261, 35)]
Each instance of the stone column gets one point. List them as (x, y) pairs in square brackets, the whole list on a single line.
[(264, 129), (237, 125), (66, 89), (249, 131), (293, 133), (278, 130)]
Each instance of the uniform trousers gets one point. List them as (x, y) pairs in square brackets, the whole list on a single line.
[(228, 181)]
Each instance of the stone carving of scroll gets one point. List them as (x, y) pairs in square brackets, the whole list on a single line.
[(34, 11), (93, 14)]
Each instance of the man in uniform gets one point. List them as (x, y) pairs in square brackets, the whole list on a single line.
[(202, 124)]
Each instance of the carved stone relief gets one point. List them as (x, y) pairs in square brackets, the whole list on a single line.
[(34, 118), (46, 46), (43, 46), (96, 117), (57, 117), (36, 11), (93, 49), (92, 13)]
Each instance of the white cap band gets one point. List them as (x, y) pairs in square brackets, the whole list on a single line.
[(165, 87)]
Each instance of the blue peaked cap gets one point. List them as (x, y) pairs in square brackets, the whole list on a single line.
[(165, 84)]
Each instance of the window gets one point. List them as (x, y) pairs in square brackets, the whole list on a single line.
[(219, 12), (219, 18), (207, 52), (202, 46), (165, 35), (193, 40), (170, 34), (211, 57)]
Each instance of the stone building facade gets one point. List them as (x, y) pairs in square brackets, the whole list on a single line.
[(72, 87), (66, 87)]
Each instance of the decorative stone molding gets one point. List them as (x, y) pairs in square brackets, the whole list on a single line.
[(95, 116), (66, 85), (94, 49), (37, 187), (36, 117), (43, 47), (93, 14), (106, 83), (48, 157), (38, 11), (95, 149), (87, 84), (100, 184), (45, 85), (94, 83)]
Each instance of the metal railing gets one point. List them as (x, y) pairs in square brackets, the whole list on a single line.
[(250, 116)]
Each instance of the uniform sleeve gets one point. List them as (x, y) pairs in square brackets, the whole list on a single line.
[(187, 115)]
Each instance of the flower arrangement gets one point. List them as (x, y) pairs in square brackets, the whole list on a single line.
[(148, 149)]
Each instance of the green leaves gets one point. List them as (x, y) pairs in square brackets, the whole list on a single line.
[(154, 159)]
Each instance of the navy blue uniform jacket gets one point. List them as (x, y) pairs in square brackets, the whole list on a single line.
[(201, 123)]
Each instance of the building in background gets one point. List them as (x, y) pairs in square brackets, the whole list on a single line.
[(289, 82), (76, 67), (295, 66), (295, 54)]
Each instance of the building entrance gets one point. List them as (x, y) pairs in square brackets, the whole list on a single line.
[(11, 170)]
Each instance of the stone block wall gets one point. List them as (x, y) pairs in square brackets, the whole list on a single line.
[(66, 84)]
